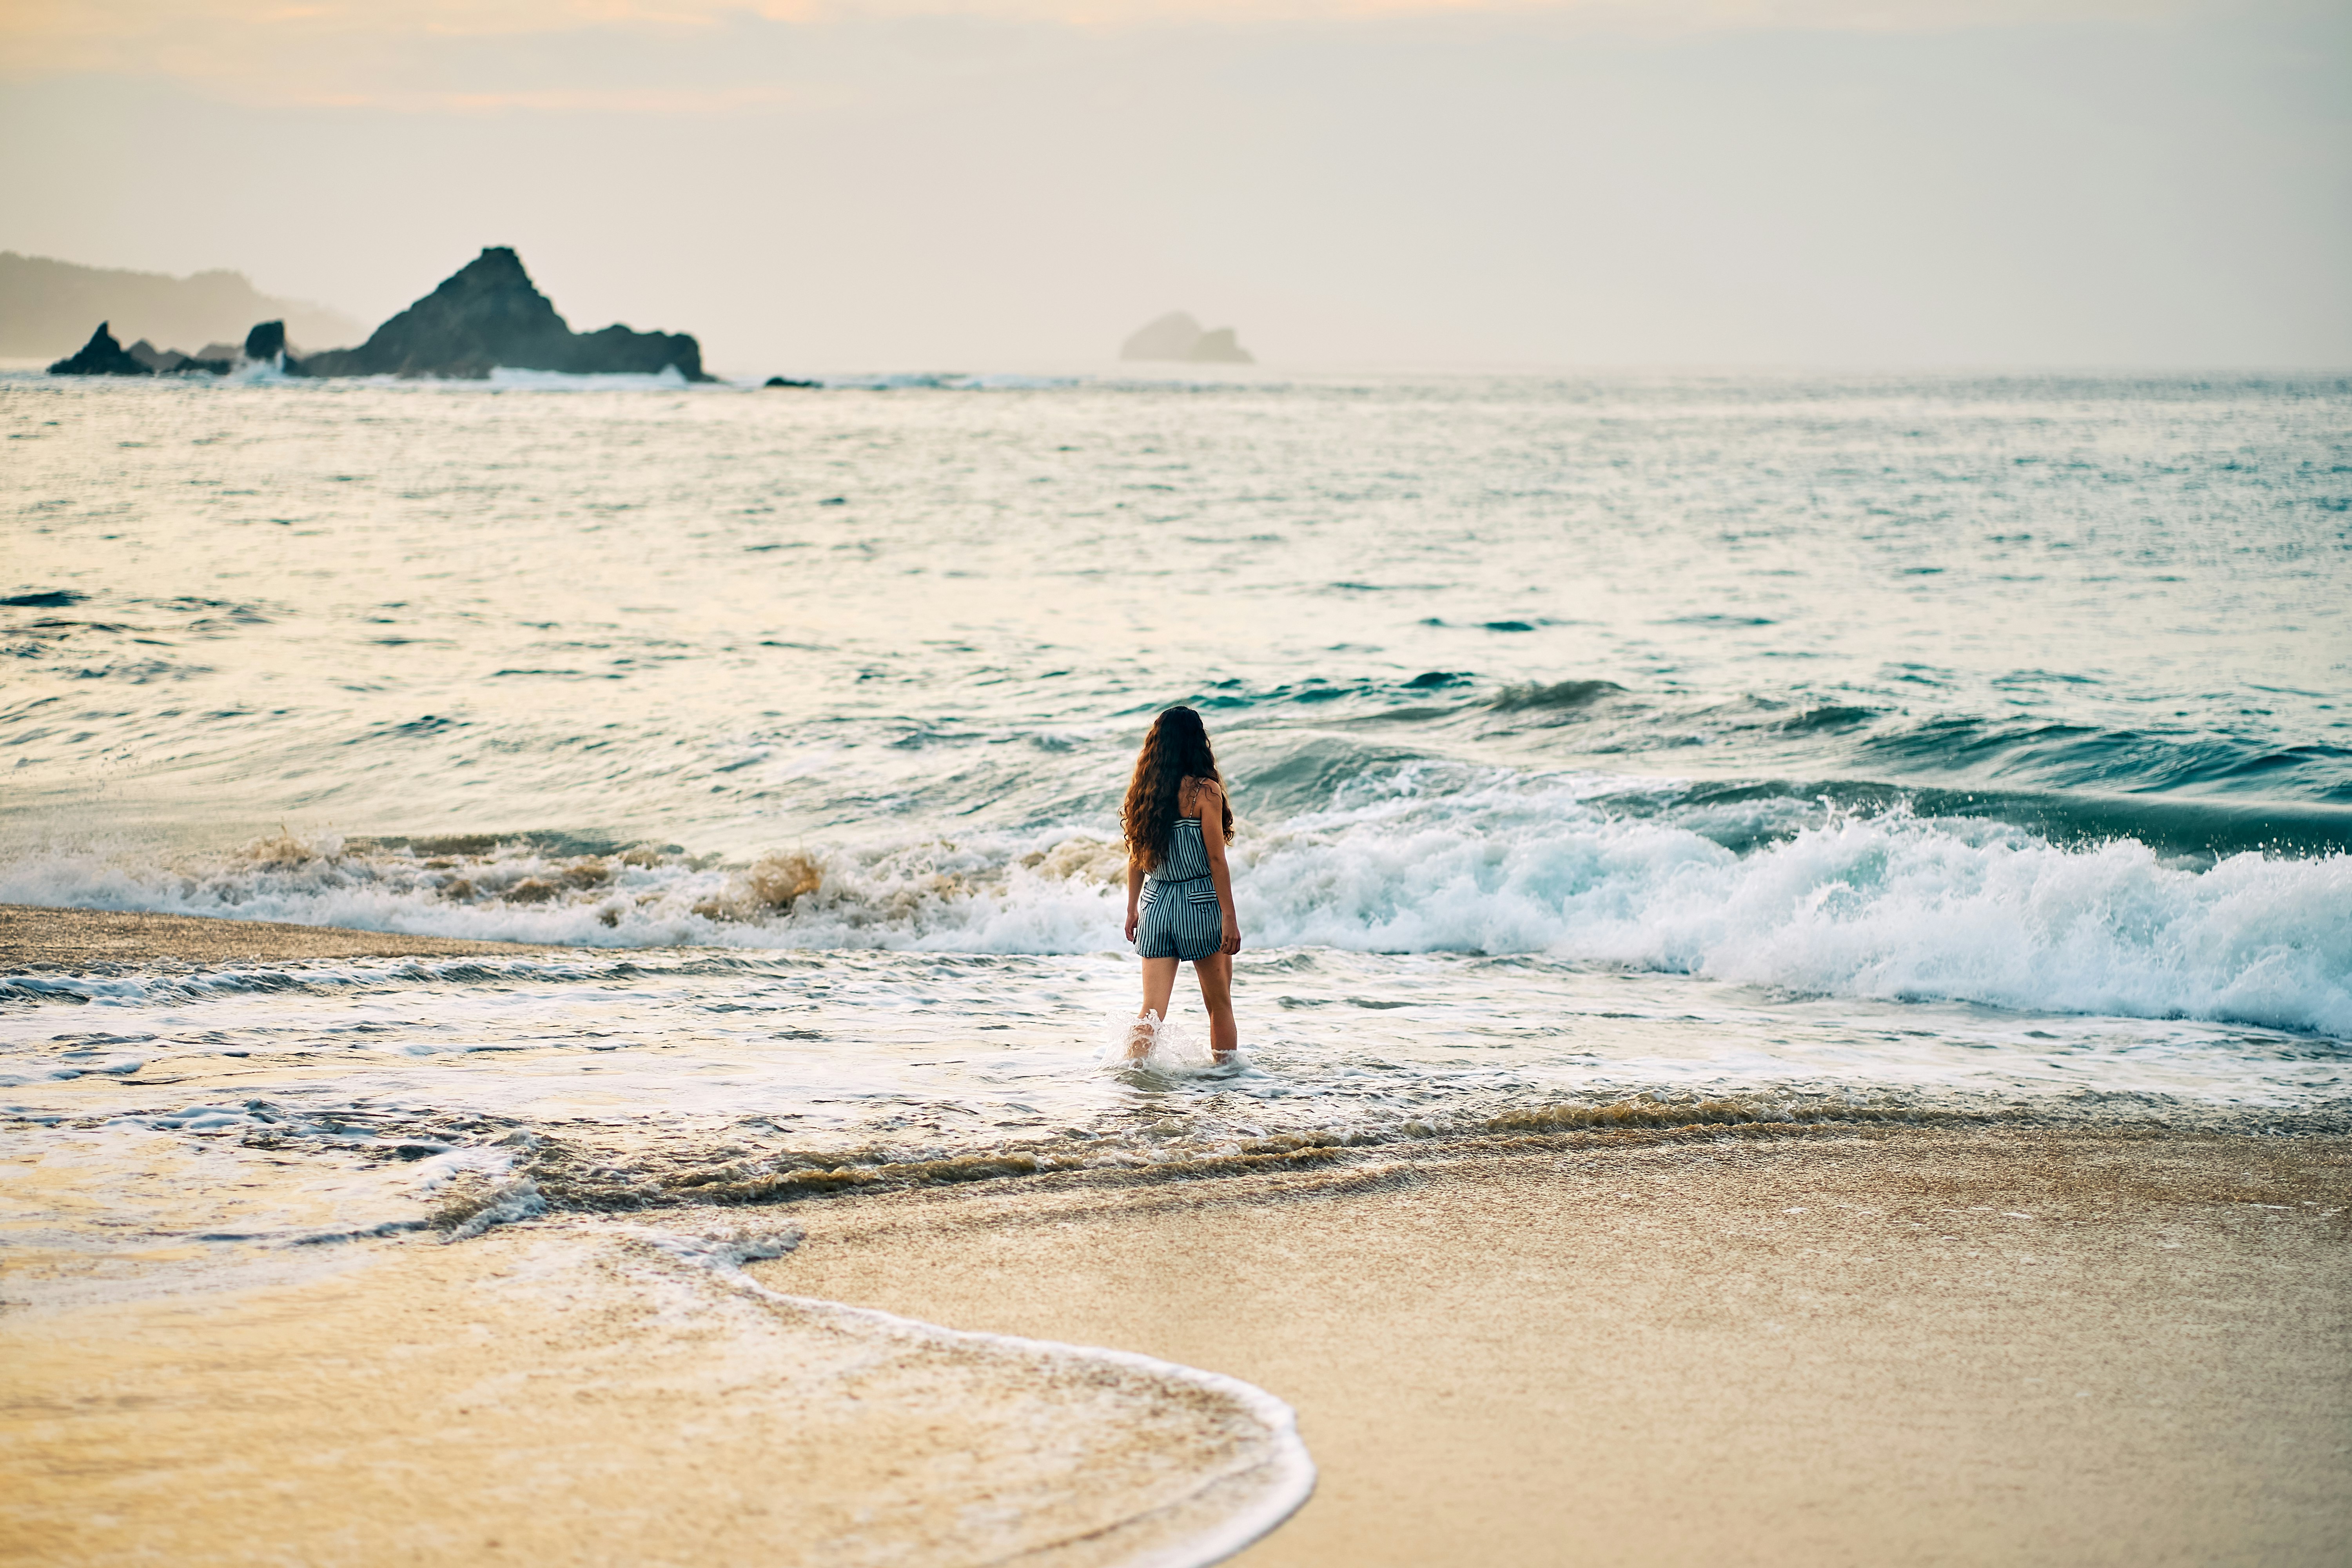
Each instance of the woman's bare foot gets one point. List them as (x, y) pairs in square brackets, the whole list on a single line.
[(1142, 1034)]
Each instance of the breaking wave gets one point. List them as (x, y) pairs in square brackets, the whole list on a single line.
[(1892, 906)]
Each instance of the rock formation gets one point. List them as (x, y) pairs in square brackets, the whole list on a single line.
[(101, 356), (218, 359), (1220, 347), (1177, 336), (163, 362), (262, 345), (488, 315), (1170, 337)]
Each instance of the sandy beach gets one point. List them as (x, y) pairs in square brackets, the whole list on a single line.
[(1995, 1347), (1832, 1343), (598, 1394), (33, 939)]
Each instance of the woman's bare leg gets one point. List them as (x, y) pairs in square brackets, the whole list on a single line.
[(1159, 985), (1216, 977)]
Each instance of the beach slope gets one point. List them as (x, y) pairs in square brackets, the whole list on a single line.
[(2021, 1346), (587, 1392)]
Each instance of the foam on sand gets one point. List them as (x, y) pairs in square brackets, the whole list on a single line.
[(603, 1394)]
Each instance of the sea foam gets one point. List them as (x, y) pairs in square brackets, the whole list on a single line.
[(1891, 906)]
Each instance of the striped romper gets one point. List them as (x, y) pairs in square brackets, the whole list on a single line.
[(1181, 917)]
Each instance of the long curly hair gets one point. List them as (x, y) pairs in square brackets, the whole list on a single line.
[(1177, 748)]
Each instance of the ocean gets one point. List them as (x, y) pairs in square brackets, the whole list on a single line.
[(1658, 748)]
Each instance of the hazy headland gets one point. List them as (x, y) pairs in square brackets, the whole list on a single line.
[(48, 307)]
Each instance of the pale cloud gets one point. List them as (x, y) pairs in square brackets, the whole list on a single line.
[(564, 100)]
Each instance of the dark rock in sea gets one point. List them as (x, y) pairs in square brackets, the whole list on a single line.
[(45, 598), (787, 381), (488, 315), (215, 359), (101, 356), (163, 362), (266, 342)]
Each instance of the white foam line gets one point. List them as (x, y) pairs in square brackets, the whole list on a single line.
[(1291, 1466), (1890, 907)]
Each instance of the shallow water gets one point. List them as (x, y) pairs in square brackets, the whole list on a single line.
[(1913, 742)]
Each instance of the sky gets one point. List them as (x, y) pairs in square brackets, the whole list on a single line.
[(1001, 184)]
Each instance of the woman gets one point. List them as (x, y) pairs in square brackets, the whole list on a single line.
[(1179, 871)]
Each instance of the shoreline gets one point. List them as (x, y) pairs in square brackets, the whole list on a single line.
[(42, 937), (1808, 1350), (590, 1392), (1768, 1341), (1850, 1345)]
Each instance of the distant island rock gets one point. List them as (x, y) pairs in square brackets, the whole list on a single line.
[(46, 307), (102, 355), (1177, 336), (488, 315)]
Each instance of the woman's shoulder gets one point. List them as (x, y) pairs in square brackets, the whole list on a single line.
[(1191, 792)]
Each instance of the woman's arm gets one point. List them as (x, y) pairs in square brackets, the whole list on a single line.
[(1210, 801), (1134, 888)]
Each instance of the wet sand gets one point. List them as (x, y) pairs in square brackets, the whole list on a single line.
[(36, 938), (571, 1392), (1987, 1347), (567, 1390)]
